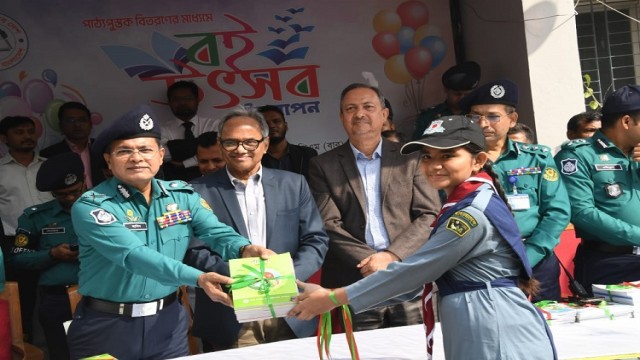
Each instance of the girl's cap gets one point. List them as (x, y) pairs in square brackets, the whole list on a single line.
[(448, 132)]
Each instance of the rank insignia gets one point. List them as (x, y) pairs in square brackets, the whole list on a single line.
[(458, 226), (205, 204), (103, 217), (569, 166), (173, 217), (21, 240), (613, 190), (172, 207), (550, 174), (604, 157), (131, 216)]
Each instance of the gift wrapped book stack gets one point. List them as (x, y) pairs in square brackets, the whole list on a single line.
[(263, 289), (625, 293)]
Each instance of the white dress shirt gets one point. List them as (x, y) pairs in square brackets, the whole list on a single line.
[(253, 207), (173, 130), (18, 190)]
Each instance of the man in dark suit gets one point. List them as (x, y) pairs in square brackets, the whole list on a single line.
[(281, 154), (75, 124), (272, 208), (376, 205)]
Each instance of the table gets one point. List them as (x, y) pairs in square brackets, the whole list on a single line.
[(586, 339)]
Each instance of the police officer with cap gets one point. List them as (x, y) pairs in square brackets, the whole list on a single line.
[(530, 178), (457, 81), (603, 179), (45, 241), (133, 231)]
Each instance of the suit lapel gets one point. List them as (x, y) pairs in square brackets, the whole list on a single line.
[(390, 158), (350, 168), (269, 186), (230, 201)]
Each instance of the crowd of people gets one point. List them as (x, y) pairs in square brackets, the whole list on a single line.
[(471, 204)]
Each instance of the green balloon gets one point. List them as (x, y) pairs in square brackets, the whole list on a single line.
[(51, 114)]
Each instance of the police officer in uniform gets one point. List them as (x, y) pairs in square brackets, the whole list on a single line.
[(457, 81), (45, 241), (530, 178), (133, 231), (603, 179)]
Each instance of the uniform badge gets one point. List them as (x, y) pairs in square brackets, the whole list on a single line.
[(497, 91), (205, 204), (146, 122), (70, 179), (123, 191), (173, 185), (131, 215), (172, 207), (613, 190), (435, 127), (604, 157), (21, 240), (550, 174), (458, 226), (174, 217), (569, 166), (102, 217)]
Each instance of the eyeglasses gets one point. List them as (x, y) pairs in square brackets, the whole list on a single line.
[(249, 144), (490, 117), (126, 153), (73, 193)]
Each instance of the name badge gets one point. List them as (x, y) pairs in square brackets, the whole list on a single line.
[(136, 226), (56, 230), (519, 201), (608, 167)]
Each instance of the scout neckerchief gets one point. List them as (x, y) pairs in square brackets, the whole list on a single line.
[(460, 192)]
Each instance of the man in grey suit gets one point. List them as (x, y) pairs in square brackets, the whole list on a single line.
[(376, 205), (273, 208)]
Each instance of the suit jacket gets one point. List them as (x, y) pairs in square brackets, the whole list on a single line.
[(62, 147), (300, 156), (409, 206), (293, 224)]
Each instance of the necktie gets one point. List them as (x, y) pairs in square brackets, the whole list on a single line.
[(188, 133)]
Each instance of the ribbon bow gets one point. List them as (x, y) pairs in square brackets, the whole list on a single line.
[(257, 276), (325, 331)]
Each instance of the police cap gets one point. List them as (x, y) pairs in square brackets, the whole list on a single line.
[(448, 132), (59, 172), (625, 99), (137, 122), (495, 92), (462, 77)]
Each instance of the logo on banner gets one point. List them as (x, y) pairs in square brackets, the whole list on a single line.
[(13, 42)]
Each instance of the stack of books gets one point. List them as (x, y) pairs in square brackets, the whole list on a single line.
[(625, 293), (605, 310), (263, 289), (557, 313)]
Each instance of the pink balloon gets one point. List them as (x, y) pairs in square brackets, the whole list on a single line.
[(13, 106), (38, 124), (9, 88), (413, 13), (96, 118), (386, 44), (418, 62), (38, 94)]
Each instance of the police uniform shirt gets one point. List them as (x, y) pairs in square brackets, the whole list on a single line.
[(131, 251), (18, 190), (426, 117), (603, 189), (41, 228), (539, 201)]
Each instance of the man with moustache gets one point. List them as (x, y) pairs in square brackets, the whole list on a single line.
[(281, 154), (209, 153), (376, 204), (179, 134)]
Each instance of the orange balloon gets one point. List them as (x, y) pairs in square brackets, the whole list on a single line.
[(396, 71), (387, 21)]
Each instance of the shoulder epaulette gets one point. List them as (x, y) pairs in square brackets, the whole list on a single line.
[(534, 149), (572, 144), (175, 185), (38, 208)]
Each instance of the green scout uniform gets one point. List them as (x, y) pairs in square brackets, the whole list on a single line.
[(131, 251), (539, 200), (427, 116), (603, 187), (41, 228)]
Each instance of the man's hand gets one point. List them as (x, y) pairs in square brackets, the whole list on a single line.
[(210, 283), (375, 262), (257, 251), (636, 153), (62, 252), (312, 301)]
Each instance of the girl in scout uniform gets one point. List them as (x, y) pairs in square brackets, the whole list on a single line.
[(475, 254)]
